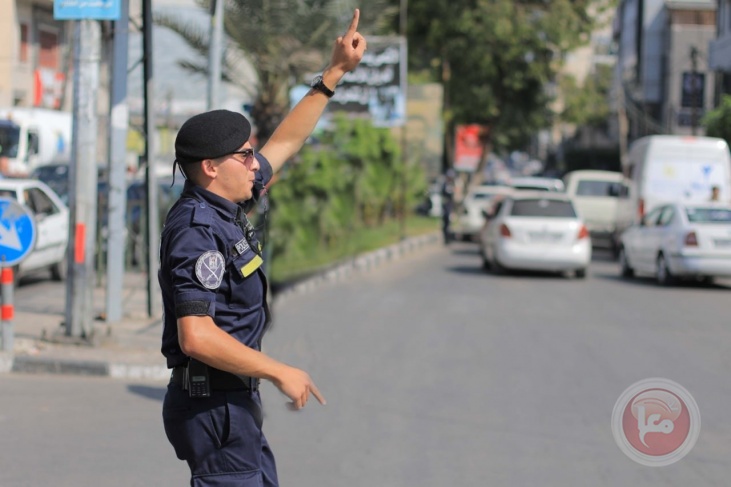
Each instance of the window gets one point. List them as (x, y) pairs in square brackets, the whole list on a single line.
[(40, 202), (48, 55), (666, 216), (543, 208), (650, 220), (23, 56), (598, 188), (708, 215), (32, 143)]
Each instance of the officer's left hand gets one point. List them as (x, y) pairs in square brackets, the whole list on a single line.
[(297, 385), (349, 48)]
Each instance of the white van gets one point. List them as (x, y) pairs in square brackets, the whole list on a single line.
[(596, 195), (674, 168)]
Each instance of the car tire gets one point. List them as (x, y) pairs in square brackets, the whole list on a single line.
[(626, 270), (16, 276), (580, 273), (485, 262), (497, 268), (59, 271), (662, 272)]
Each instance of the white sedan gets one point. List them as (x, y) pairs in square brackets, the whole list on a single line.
[(52, 225), (536, 231), (679, 240), (470, 219)]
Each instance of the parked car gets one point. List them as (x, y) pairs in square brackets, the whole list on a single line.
[(536, 231), (536, 184), (52, 220), (469, 218), (679, 240), (56, 176)]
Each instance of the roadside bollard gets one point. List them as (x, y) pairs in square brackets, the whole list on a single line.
[(7, 310)]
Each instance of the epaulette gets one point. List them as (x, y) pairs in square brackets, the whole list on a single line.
[(203, 214)]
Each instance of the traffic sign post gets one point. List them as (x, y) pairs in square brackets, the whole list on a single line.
[(17, 238)]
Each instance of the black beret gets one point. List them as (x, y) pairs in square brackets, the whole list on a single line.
[(210, 135)]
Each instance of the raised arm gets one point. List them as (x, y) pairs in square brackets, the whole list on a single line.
[(291, 134)]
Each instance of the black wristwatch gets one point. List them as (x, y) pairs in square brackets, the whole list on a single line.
[(319, 85)]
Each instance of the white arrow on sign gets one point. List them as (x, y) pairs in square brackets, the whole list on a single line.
[(9, 237)]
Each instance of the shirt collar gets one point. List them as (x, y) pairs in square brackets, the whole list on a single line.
[(222, 205)]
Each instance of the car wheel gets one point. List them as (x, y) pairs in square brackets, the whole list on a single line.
[(59, 271), (485, 262), (498, 268), (626, 271), (16, 276), (580, 273), (664, 277)]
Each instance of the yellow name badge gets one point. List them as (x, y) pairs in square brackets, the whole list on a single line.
[(251, 266)]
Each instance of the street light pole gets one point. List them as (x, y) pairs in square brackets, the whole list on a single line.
[(404, 140), (83, 181), (153, 217), (214, 54)]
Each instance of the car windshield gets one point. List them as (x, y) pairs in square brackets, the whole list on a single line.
[(9, 138), (597, 188), (543, 207), (708, 215)]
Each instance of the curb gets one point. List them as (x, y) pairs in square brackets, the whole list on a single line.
[(362, 263), (42, 365)]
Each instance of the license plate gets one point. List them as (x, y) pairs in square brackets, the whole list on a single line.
[(545, 236), (722, 242)]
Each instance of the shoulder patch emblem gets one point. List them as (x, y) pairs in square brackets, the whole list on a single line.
[(209, 269)]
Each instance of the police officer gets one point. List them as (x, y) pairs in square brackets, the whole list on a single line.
[(214, 291)]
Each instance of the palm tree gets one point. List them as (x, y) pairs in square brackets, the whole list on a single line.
[(273, 44)]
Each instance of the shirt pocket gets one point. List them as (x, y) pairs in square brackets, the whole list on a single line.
[(245, 285)]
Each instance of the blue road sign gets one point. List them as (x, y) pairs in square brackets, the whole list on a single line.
[(86, 9), (17, 232)]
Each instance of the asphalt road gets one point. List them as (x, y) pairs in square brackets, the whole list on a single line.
[(435, 373)]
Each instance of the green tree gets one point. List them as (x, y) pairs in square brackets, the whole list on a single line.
[(345, 182), (495, 58), (280, 41), (587, 105), (717, 122)]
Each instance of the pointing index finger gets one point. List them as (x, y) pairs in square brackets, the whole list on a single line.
[(354, 23), (316, 392)]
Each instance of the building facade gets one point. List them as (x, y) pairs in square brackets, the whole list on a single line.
[(720, 48), (35, 56), (663, 71)]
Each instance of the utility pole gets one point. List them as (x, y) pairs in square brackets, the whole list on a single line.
[(214, 54), (404, 140), (83, 181), (117, 167), (694, 90), (151, 200)]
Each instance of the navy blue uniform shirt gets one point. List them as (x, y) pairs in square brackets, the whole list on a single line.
[(209, 267)]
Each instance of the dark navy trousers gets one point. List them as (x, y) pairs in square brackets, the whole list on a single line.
[(220, 437)]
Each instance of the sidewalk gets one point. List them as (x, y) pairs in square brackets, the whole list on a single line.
[(130, 348)]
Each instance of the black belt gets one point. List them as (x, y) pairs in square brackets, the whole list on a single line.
[(220, 380)]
